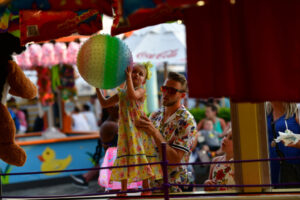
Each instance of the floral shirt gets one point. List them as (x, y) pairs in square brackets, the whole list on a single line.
[(223, 174), (179, 130)]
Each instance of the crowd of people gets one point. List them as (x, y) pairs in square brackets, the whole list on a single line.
[(140, 137), (129, 136)]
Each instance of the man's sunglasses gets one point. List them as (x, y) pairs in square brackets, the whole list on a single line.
[(170, 90)]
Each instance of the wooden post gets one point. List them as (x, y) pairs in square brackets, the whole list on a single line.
[(250, 142)]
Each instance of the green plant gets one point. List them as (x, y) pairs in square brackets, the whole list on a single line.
[(5, 178), (198, 113), (225, 114)]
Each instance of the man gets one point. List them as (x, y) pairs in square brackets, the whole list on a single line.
[(90, 117), (174, 125), (219, 124)]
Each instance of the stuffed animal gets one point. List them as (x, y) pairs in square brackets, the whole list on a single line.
[(14, 81)]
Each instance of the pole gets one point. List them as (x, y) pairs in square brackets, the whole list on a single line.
[(165, 170), (165, 70), (152, 94)]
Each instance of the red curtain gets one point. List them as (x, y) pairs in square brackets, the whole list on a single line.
[(248, 50), (132, 15)]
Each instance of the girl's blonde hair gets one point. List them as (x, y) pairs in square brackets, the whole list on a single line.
[(147, 66), (290, 109)]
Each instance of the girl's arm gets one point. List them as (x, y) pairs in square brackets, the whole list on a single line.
[(105, 103), (131, 92)]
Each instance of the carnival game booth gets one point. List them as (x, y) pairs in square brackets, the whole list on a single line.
[(55, 73), (55, 148), (74, 151), (248, 51)]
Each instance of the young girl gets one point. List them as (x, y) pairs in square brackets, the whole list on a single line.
[(222, 174), (134, 146)]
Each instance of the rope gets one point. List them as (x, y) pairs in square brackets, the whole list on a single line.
[(245, 185), (165, 185), (237, 161), (75, 170), (85, 195)]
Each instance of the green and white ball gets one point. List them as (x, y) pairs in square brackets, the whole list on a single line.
[(102, 61)]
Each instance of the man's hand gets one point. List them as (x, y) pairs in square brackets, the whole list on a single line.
[(145, 124)]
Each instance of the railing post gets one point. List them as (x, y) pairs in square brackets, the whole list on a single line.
[(165, 170)]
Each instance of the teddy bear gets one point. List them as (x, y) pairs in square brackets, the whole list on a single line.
[(13, 81)]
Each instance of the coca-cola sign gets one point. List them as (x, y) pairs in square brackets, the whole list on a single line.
[(159, 56)]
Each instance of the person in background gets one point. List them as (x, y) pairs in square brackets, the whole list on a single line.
[(79, 121), (211, 113), (211, 137), (21, 118), (90, 116), (23, 121), (39, 121), (282, 116), (225, 102), (11, 105), (109, 136), (96, 108), (222, 174), (204, 149), (15, 118), (106, 138)]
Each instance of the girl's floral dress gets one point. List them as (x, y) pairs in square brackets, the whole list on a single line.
[(134, 146), (223, 174)]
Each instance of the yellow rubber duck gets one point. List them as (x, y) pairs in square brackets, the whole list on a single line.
[(50, 163)]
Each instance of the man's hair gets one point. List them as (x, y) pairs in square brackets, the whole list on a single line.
[(179, 78)]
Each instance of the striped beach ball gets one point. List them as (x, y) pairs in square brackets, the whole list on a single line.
[(102, 61)]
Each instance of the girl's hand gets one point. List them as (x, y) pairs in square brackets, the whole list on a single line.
[(128, 72), (209, 182)]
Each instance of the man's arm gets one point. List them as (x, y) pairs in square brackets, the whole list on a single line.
[(173, 155)]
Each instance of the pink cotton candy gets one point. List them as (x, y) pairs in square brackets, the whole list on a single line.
[(23, 60), (60, 52), (35, 54), (72, 52), (48, 56)]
